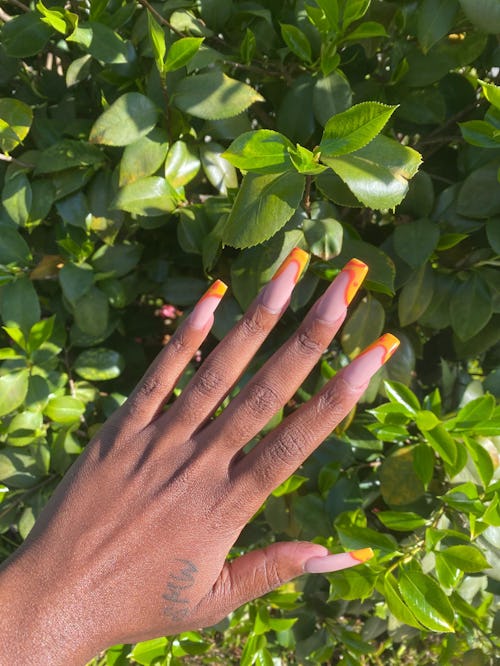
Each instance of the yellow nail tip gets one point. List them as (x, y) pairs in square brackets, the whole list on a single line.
[(363, 554), (390, 343), (298, 257), (357, 271), (217, 289)]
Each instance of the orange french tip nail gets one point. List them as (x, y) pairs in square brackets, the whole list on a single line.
[(298, 257), (357, 271), (362, 555), (217, 289)]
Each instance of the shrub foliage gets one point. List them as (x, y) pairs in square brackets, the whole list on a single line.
[(147, 149)]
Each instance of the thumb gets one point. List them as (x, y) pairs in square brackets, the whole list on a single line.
[(260, 571)]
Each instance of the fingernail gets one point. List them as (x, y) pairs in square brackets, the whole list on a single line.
[(207, 304), (360, 371), (275, 295), (332, 305), (331, 563)]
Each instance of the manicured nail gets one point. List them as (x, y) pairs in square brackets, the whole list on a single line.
[(207, 304), (332, 305), (360, 371), (275, 295), (331, 563)]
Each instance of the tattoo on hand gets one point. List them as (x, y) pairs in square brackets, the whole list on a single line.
[(176, 607)]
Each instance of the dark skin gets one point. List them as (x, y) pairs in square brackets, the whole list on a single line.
[(134, 542)]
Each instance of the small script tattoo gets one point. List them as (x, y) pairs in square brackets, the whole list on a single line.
[(177, 605)]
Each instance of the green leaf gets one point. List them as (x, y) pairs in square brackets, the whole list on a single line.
[(402, 395), (18, 469), (157, 37), (354, 537), (13, 248), (54, 17), (443, 443), (129, 118), (491, 92), (377, 174), (181, 52), (296, 41), (353, 129), (64, 409), (465, 558), (475, 411), (263, 205), (493, 233), (143, 157), (353, 10), (182, 164), (17, 198), (382, 271), (117, 260), (332, 94), (103, 43), (479, 196), (447, 574), (480, 133), (401, 521), (213, 96), (146, 652), (323, 236), (15, 123), (68, 153), (416, 295), (396, 604), (25, 35), (482, 459), (363, 326), (25, 429), (427, 601), (13, 390), (426, 420), (20, 305), (470, 307), (91, 312), (261, 151), (40, 332), (99, 364), (423, 463), (366, 30), (435, 20), (416, 241), (485, 14), (305, 161), (151, 196), (76, 280), (220, 173)]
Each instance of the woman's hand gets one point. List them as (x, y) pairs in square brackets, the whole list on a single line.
[(133, 543)]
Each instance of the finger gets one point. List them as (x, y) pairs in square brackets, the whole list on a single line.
[(279, 454), (260, 571), (281, 376), (161, 378), (223, 367)]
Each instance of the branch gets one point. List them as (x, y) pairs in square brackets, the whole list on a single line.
[(21, 5)]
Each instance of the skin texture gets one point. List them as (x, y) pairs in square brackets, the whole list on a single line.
[(133, 544)]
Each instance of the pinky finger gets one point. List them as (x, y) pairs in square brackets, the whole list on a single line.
[(157, 385)]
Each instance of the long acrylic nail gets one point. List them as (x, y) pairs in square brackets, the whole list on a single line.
[(331, 563), (207, 304), (360, 371), (275, 295), (332, 305)]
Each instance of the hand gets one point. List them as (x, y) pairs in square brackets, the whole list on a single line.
[(133, 544)]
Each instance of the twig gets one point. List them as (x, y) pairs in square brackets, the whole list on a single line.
[(159, 17), (4, 16), (9, 158), (19, 4)]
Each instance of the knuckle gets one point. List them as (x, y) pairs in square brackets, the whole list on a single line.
[(308, 344), (253, 325), (271, 573), (263, 398), (329, 400), (208, 381)]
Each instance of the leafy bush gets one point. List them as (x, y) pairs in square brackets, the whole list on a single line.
[(145, 150)]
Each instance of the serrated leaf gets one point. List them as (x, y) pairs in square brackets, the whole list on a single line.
[(416, 295), (40, 332), (491, 92), (17, 197), (213, 96), (470, 307), (377, 174), (129, 118), (416, 241), (143, 157), (478, 410), (261, 151), (91, 312), (13, 248), (181, 52), (443, 443), (401, 394), (401, 521), (263, 205), (151, 196), (396, 604), (20, 305), (426, 601), (67, 154), (353, 129), (434, 20), (182, 164), (25, 35), (99, 364)]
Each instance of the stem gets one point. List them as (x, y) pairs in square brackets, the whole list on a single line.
[(307, 196), (159, 17), (21, 5)]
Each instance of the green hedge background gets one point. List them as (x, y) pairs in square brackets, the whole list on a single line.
[(146, 149)]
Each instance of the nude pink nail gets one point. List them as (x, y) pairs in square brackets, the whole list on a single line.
[(333, 304), (275, 295), (359, 372), (204, 309), (339, 561)]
